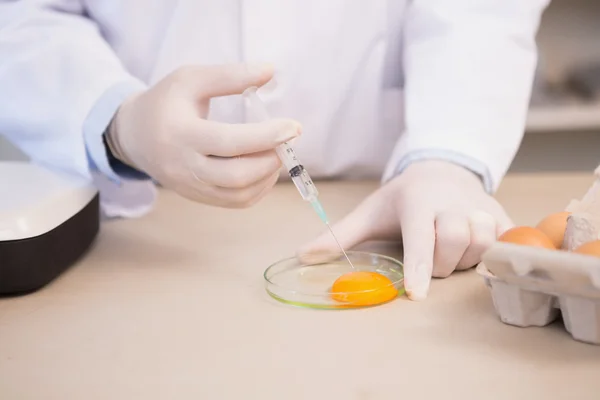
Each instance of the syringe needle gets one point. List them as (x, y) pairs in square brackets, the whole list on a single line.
[(340, 246), (316, 204), (299, 176)]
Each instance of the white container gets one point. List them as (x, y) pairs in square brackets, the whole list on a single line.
[(532, 286)]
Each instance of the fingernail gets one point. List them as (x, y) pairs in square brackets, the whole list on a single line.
[(418, 293), (259, 70), (271, 85), (417, 285), (291, 130)]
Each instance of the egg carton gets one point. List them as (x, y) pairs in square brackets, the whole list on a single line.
[(533, 286)]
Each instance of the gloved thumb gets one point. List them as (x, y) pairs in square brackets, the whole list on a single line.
[(352, 230), (205, 81)]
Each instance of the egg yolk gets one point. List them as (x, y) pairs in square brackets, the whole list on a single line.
[(590, 248), (527, 236), (554, 226), (363, 288)]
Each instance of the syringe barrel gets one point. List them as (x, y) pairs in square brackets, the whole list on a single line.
[(303, 183), (259, 112), (286, 154)]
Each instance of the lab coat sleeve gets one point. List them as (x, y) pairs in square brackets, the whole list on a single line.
[(61, 85), (469, 68)]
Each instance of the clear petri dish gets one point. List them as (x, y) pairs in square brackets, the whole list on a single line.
[(309, 285)]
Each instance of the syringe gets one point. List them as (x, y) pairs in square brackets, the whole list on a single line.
[(296, 170)]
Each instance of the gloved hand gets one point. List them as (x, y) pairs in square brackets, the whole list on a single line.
[(440, 211), (164, 133)]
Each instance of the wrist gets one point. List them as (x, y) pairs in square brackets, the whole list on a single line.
[(441, 167), (440, 159), (115, 131)]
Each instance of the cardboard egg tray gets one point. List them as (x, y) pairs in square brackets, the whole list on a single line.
[(532, 286)]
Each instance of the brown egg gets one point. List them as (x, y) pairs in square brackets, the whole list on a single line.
[(554, 226), (590, 248), (527, 236)]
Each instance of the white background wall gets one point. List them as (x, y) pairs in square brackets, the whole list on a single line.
[(562, 135)]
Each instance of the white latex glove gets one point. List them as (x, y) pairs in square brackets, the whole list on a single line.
[(440, 211), (164, 133)]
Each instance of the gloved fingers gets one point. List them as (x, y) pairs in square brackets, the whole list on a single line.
[(235, 172), (503, 222), (198, 196), (191, 193), (350, 231), (213, 138), (453, 236), (269, 183), (205, 81), (483, 234), (418, 238), (228, 197), (242, 198)]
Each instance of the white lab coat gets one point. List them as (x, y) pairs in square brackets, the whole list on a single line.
[(376, 84)]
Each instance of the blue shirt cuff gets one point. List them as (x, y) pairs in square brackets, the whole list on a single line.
[(99, 156), (473, 165)]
